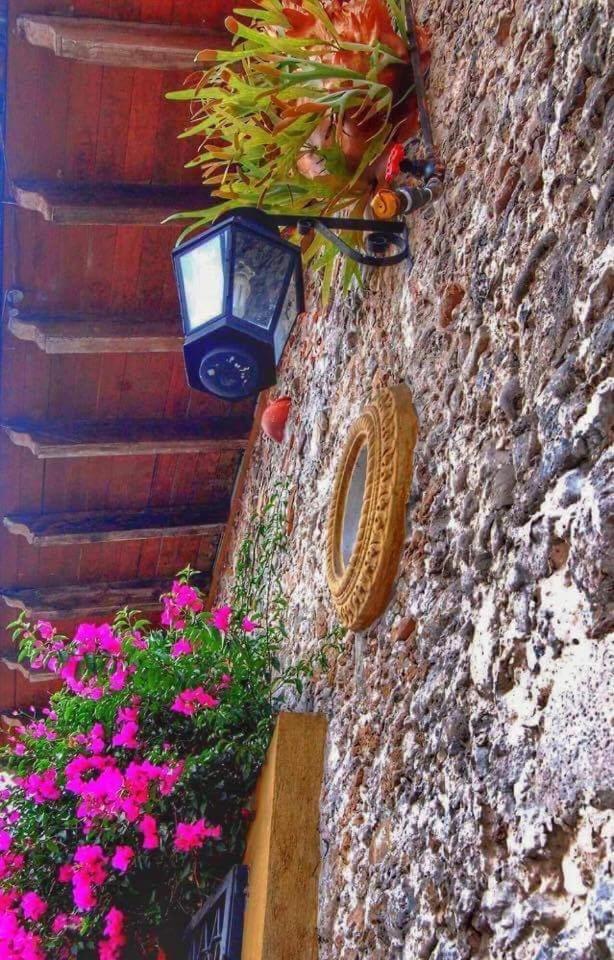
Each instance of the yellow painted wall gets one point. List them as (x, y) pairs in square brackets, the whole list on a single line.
[(283, 845)]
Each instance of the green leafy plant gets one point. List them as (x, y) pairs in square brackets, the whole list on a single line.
[(293, 117), (128, 801)]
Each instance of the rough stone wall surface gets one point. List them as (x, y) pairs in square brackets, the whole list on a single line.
[(468, 781)]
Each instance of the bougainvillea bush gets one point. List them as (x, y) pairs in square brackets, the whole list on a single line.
[(125, 804)]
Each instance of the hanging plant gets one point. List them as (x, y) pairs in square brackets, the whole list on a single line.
[(125, 805), (300, 115)]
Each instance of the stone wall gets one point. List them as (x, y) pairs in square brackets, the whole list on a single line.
[(466, 795)]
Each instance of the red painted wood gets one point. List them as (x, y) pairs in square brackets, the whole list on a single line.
[(85, 83), (113, 126), (126, 262), (97, 124), (156, 11), (147, 92)]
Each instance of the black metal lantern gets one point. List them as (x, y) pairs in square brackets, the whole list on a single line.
[(241, 289), (240, 283)]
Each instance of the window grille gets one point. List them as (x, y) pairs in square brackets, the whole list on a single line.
[(216, 931)]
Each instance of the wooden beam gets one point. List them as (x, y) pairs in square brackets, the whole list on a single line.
[(104, 204), (109, 438), (34, 676), (117, 43), (11, 719), (84, 600), (60, 529), (93, 333)]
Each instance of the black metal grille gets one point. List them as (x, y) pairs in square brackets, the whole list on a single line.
[(216, 931)]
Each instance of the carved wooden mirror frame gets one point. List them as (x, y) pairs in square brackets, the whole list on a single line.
[(366, 534)]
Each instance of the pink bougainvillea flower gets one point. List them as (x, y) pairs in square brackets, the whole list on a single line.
[(148, 827), (94, 741), (186, 596), (191, 836), (111, 948), (89, 872), (65, 873), (39, 730), (85, 638), (7, 899), (189, 701), (171, 616), (83, 894), (220, 618), (32, 906), (6, 839), (205, 699), (60, 923), (108, 950), (126, 736), (127, 728), (114, 924), (182, 598), (181, 704), (91, 857), (168, 777), (128, 715), (17, 943), (248, 625), (107, 641), (119, 678), (46, 629), (11, 863), (42, 787), (92, 638), (122, 858), (65, 921), (139, 641), (180, 648)]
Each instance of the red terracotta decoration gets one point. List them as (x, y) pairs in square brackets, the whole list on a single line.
[(274, 418)]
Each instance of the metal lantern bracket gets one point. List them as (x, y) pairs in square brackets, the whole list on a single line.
[(380, 234)]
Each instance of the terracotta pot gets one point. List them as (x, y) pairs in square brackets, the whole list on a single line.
[(274, 418)]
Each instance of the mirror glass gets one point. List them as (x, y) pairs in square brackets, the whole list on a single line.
[(353, 505)]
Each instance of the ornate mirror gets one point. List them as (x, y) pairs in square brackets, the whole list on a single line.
[(366, 526)]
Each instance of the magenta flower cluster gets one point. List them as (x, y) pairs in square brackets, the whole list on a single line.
[(109, 786)]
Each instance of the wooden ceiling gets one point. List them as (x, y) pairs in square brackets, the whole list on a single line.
[(113, 474)]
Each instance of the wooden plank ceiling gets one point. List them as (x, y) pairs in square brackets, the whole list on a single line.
[(113, 474)]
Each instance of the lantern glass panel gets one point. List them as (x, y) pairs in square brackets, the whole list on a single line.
[(287, 317), (203, 271), (260, 269)]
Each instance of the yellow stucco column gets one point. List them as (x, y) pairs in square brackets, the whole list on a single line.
[(283, 845)]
